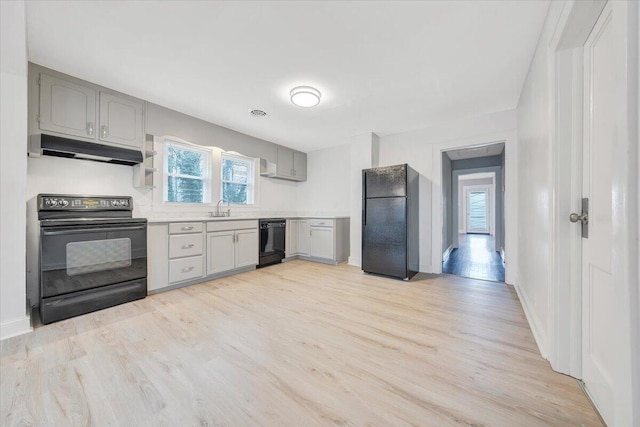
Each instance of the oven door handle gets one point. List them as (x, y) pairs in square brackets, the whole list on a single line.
[(75, 230)]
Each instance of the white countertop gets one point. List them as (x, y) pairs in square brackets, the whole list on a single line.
[(238, 218)]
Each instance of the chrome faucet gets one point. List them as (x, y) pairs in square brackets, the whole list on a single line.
[(217, 213), (218, 207)]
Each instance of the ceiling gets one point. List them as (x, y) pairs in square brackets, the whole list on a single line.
[(475, 152), (381, 66)]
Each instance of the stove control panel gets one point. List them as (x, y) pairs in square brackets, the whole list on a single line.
[(74, 203)]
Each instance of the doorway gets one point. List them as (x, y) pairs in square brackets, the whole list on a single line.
[(477, 210), (473, 212)]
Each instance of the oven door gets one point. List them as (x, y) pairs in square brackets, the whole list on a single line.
[(76, 258)]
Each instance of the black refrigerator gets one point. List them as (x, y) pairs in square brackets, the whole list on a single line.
[(390, 215)]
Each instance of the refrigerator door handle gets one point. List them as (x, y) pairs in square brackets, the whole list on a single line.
[(364, 211), (364, 198)]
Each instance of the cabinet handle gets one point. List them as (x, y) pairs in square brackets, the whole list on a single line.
[(90, 128), (188, 228), (189, 246), (187, 269), (104, 131)]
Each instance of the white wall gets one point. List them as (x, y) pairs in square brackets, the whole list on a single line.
[(327, 189), (364, 155), (14, 318), (419, 149), (534, 202)]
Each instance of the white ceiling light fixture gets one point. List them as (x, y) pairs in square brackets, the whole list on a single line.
[(305, 96)]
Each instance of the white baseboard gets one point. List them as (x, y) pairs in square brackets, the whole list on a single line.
[(539, 334), (446, 253), (15, 327), (355, 261)]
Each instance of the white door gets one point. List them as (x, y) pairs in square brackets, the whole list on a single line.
[(221, 251), (603, 330), (477, 208), (321, 242), (247, 248)]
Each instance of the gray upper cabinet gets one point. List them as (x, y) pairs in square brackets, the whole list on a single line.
[(72, 108), (67, 108), (120, 120), (291, 165)]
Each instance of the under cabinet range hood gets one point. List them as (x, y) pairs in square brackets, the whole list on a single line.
[(49, 145)]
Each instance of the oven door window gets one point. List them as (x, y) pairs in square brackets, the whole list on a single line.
[(98, 255), (74, 260)]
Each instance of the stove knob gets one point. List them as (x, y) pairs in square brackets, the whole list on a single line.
[(114, 203), (54, 202), (47, 202), (64, 203)]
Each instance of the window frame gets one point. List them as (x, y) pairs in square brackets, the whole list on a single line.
[(207, 196), (251, 179)]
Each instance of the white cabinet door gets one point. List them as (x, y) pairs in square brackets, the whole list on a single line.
[(220, 251), (120, 121), (247, 248), (292, 237), (303, 237), (67, 108), (321, 242)]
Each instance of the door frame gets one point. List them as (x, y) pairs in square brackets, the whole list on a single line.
[(510, 140), (490, 202), (565, 76)]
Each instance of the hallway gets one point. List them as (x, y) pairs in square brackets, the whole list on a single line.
[(476, 258)]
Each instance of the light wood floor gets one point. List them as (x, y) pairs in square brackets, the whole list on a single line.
[(298, 344)]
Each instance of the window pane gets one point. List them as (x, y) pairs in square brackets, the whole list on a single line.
[(234, 193), (185, 190), (185, 162), (235, 171)]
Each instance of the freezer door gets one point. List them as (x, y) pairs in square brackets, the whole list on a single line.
[(390, 181), (384, 236)]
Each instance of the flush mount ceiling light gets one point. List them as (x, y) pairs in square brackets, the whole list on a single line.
[(305, 96)]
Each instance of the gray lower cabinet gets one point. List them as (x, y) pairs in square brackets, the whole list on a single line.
[(186, 254), (319, 239), (180, 253), (321, 242), (231, 245), (220, 251)]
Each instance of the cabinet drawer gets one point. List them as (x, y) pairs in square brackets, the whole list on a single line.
[(185, 268), (318, 222), (231, 225), (185, 227), (182, 245)]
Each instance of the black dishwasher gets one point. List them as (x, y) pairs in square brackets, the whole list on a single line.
[(272, 238)]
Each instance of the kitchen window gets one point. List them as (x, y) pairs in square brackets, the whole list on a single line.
[(187, 173), (237, 179)]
